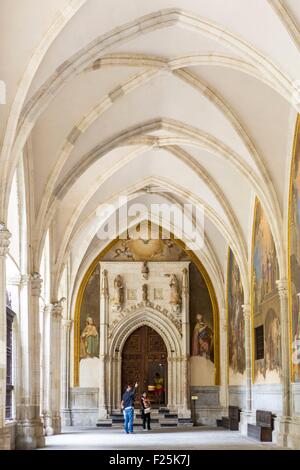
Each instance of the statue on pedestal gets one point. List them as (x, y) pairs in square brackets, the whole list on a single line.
[(175, 296), (119, 294)]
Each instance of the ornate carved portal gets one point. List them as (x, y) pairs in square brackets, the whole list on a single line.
[(144, 355)]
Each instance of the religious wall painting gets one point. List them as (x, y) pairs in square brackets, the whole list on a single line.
[(201, 317), (146, 250), (90, 317), (294, 251), (236, 322), (265, 301)]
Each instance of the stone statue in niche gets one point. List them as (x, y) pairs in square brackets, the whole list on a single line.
[(145, 293), (119, 294), (145, 270), (175, 297)]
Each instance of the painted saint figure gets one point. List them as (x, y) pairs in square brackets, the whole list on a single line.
[(202, 341), (89, 340)]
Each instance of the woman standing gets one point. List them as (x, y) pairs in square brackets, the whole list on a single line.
[(146, 411)]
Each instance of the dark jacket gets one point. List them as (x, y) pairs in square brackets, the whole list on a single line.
[(128, 398)]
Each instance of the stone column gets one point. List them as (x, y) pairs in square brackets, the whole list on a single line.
[(29, 432), (54, 419), (282, 286), (224, 355), (282, 422), (103, 338), (45, 372), (4, 247), (246, 415), (186, 412), (65, 378)]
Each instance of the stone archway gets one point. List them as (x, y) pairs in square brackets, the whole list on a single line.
[(178, 370)]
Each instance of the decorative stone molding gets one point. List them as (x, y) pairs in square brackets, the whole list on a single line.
[(138, 306), (67, 324), (57, 308), (104, 291), (5, 236), (35, 284), (247, 311), (145, 271), (282, 286)]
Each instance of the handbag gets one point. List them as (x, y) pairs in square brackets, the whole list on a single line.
[(147, 410)]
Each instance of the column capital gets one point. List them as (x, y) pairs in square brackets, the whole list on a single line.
[(67, 324), (35, 281), (57, 308), (247, 311), (5, 236), (282, 286)]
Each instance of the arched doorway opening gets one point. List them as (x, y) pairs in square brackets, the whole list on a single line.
[(144, 355)]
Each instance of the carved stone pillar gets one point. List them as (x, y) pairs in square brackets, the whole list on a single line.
[(65, 377), (282, 422), (248, 356), (185, 344), (246, 415), (282, 286), (224, 355), (45, 372), (29, 433), (103, 338), (53, 425), (4, 247)]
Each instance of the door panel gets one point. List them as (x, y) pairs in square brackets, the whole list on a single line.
[(144, 354)]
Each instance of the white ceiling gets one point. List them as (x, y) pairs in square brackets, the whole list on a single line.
[(208, 85)]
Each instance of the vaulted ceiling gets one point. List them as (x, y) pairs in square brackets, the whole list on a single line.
[(169, 101)]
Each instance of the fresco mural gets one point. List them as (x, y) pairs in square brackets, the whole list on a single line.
[(265, 300), (201, 317), (90, 318), (294, 248), (236, 323), (146, 250)]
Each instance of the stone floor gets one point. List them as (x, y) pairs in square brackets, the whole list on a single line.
[(190, 439)]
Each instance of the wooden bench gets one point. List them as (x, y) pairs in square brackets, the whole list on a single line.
[(262, 430), (231, 421)]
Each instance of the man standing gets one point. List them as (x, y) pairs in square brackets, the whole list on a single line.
[(127, 405)]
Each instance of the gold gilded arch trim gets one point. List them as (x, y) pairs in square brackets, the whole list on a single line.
[(207, 280), (290, 207)]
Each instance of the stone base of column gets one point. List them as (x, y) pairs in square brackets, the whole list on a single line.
[(29, 435), (102, 415), (52, 424), (66, 418), (183, 412), (5, 439), (287, 432), (245, 418)]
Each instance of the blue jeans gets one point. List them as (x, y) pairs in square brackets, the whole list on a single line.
[(128, 416)]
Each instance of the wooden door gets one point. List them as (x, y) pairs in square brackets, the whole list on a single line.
[(144, 354)]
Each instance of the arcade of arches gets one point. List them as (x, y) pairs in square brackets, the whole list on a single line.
[(112, 108)]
